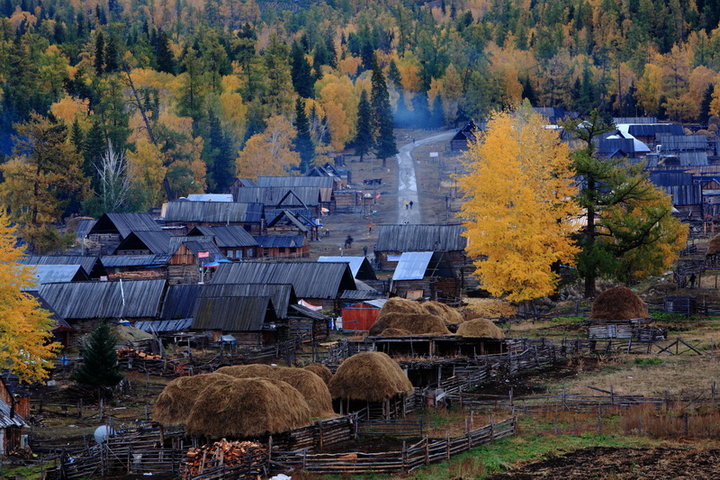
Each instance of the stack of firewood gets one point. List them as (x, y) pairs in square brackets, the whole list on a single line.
[(131, 352), (224, 453)]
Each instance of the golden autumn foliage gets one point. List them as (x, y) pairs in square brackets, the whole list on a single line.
[(146, 170), (270, 152), (24, 327), (519, 206)]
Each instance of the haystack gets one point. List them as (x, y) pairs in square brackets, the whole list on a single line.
[(487, 308), (310, 386), (395, 332), (480, 327), (450, 315), (177, 398), (415, 323), (401, 305), (713, 246), (321, 371), (247, 407), (618, 303), (369, 376)]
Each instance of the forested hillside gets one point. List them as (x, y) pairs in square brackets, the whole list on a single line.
[(187, 93)]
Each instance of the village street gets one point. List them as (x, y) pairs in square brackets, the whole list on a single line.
[(407, 181)]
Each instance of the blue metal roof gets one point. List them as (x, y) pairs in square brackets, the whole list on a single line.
[(412, 266)]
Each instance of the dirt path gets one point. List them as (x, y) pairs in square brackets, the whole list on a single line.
[(407, 180)]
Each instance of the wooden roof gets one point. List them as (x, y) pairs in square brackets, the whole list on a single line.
[(180, 301), (213, 212), (234, 314), (282, 295), (420, 238), (89, 264), (124, 223), (226, 236), (156, 242)]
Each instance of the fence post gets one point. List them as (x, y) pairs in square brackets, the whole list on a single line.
[(427, 451), (404, 457)]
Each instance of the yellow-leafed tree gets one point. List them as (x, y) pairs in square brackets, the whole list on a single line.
[(270, 152), (24, 327), (519, 206)]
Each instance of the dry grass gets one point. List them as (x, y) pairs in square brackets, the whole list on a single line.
[(371, 376), (685, 376), (488, 308), (480, 327)]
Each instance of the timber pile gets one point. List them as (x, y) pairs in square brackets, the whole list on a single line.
[(250, 456), (131, 352)]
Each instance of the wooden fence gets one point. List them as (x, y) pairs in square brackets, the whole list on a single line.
[(407, 459)]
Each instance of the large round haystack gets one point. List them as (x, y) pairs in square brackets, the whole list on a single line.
[(395, 332), (618, 303), (369, 376), (400, 305), (177, 398), (480, 327), (247, 407), (415, 323), (310, 386), (450, 315), (714, 246), (321, 371)]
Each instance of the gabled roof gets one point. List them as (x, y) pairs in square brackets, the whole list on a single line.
[(292, 182), (273, 196), (104, 300), (83, 227), (234, 314), (310, 279), (124, 223), (58, 273), (304, 214), (286, 217), (226, 236), (280, 241), (196, 244), (156, 242), (119, 261), (420, 238), (180, 301), (210, 197), (213, 212), (671, 143), (282, 295), (90, 264), (412, 266), (359, 266)]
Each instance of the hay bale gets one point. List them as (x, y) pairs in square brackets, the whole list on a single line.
[(321, 371), (369, 376), (401, 305), (177, 398), (450, 315), (415, 323), (713, 246), (618, 303), (310, 385), (395, 332), (247, 407), (480, 327)]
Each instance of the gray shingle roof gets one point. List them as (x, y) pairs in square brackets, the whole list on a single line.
[(287, 181), (412, 266), (155, 242), (124, 223), (213, 212), (58, 273), (282, 295), (89, 264), (420, 238), (359, 266), (233, 314), (104, 300), (278, 196), (161, 326), (180, 301), (226, 236), (280, 241), (152, 260), (310, 279)]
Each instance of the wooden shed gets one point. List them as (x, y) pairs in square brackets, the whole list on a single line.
[(251, 320), (361, 316), (111, 228), (233, 241), (282, 246), (13, 411), (426, 275)]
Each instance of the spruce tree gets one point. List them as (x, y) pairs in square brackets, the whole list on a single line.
[(94, 147), (300, 73), (112, 55), (705, 104), (76, 136), (382, 116), (363, 137), (218, 156), (164, 56), (99, 54), (100, 364), (303, 141)]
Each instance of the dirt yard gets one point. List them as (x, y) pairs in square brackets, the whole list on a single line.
[(622, 464)]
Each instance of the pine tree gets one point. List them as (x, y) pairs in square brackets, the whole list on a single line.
[(363, 137), (303, 141), (301, 75), (705, 105), (218, 156), (164, 56), (382, 116), (99, 54), (100, 364), (94, 147), (76, 136), (112, 55), (394, 75)]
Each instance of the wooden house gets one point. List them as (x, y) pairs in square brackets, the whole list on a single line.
[(233, 241), (425, 275), (111, 228), (151, 266), (13, 412), (686, 193), (190, 258), (187, 214), (282, 246), (464, 137), (251, 320), (84, 304), (314, 282), (145, 243), (326, 184), (284, 198), (393, 240), (291, 222), (91, 265)]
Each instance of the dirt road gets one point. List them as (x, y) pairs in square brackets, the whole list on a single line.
[(407, 181)]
